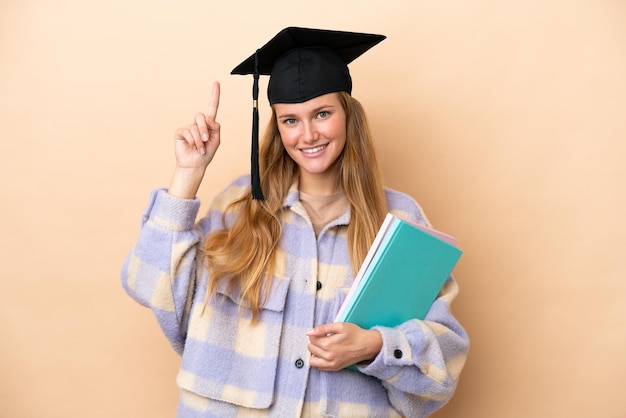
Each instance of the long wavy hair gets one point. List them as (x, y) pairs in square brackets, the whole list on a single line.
[(245, 254)]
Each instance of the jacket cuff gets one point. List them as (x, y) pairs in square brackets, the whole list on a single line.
[(171, 212), (395, 353)]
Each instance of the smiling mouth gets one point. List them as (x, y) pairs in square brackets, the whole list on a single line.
[(314, 150)]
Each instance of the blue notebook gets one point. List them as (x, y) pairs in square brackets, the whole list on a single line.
[(401, 275)]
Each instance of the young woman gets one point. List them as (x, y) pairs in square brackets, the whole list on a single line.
[(248, 294)]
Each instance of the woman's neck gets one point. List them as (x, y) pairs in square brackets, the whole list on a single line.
[(319, 184)]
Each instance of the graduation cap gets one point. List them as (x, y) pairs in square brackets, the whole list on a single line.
[(302, 64)]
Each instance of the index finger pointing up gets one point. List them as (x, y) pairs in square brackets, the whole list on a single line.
[(214, 102)]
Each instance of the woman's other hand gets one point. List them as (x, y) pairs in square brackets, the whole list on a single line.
[(338, 345)]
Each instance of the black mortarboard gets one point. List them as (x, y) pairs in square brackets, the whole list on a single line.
[(302, 64)]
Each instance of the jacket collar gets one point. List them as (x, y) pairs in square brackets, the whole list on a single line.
[(292, 201)]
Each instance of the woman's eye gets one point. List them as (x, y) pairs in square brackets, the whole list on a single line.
[(289, 121), (322, 115)]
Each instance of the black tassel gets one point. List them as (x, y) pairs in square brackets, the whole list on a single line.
[(257, 193)]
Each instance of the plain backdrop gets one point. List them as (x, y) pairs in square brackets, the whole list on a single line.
[(506, 120)]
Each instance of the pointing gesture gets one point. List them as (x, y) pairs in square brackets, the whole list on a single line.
[(197, 142), (195, 146)]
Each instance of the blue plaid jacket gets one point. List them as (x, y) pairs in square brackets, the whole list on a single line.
[(230, 368)]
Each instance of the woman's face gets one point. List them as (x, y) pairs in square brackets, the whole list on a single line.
[(314, 134)]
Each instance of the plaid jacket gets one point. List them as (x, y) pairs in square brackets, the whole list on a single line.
[(231, 369)]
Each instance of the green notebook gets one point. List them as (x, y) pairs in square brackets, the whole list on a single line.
[(401, 276)]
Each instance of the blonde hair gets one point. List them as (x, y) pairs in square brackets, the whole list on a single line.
[(245, 254)]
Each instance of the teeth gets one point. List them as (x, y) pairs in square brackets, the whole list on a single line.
[(313, 150)]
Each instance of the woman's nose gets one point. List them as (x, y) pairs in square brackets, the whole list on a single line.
[(310, 132)]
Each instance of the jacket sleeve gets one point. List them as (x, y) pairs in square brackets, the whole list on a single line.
[(160, 271), (421, 361)]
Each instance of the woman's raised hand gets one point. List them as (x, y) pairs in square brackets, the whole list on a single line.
[(197, 142), (195, 146)]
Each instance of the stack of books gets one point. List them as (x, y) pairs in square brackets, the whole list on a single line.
[(401, 276)]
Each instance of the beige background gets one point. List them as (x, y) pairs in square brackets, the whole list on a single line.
[(506, 120)]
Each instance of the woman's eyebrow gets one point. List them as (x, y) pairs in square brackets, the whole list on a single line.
[(312, 111), (323, 107)]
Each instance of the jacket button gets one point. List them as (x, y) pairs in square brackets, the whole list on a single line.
[(397, 354), (299, 363), (319, 285)]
